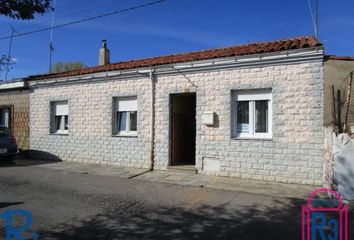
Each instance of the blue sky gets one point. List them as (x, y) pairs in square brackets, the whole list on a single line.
[(171, 27)]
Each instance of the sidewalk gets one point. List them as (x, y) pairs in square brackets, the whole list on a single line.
[(186, 179)]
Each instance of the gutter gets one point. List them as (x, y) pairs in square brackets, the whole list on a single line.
[(152, 125), (152, 120)]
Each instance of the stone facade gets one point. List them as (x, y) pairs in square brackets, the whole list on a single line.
[(293, 155), (19, 103), (90, 136)]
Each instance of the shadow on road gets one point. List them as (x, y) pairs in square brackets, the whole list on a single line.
[(8, 204), (29, 158), (282, 221), (24, 162)]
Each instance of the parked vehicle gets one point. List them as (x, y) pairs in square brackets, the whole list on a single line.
[(8, 146)]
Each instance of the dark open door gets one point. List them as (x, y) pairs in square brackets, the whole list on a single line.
[(183, 129)]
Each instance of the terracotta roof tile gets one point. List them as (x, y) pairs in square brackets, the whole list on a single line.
[(240, 50)]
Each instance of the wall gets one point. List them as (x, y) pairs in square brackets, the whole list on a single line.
[(90, 123), (294, 155), (335, 73), (20, 115)]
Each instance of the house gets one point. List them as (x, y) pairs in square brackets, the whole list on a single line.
[(253, 111), (14, 110)]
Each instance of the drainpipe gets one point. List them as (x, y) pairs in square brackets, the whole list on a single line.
[(152, 120)]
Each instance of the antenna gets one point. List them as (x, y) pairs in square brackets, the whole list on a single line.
[(316, 18), (51, 48), (9, 60)]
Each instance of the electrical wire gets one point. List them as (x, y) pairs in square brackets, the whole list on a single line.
[(64, 16), (52, 23), (311, 13), (86, 19), (51, 48)]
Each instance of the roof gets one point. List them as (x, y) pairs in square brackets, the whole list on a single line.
[(12, 85), (240, 50), (340, 58)]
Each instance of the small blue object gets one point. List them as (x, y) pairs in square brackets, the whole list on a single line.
[(15, 233)]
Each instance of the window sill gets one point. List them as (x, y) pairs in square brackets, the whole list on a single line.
[(252, 138), (60, 134), (125, 135)]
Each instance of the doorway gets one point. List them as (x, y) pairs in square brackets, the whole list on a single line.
[(183, 129)]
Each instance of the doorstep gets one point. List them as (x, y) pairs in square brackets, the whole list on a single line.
[(183, 168), (187, 178)]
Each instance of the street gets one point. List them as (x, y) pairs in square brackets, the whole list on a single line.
[(68, 205)]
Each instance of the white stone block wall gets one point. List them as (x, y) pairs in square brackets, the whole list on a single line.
[(90, 123), (294, 155)]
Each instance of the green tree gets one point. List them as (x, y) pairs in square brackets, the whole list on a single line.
[(64, 67), (24, 9)]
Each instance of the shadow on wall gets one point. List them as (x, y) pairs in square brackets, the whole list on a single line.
[(31, 157), (205, 222), (344, 165), (217, 121), (344, 176)]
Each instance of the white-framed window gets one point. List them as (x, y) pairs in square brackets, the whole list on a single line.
[(5, 114), (125, 116), (60, 117), (252, 113)]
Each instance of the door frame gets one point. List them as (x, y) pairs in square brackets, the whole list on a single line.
[(170, 125)]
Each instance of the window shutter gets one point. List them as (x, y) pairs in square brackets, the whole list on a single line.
[(61, 109), (252, 95), (127, 104)]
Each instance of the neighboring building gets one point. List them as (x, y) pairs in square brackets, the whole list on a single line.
[(14, 110), (254, 111), (337, 72)]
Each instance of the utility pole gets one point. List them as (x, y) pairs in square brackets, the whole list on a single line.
[(9, 59), (316, 18), (51, 48)]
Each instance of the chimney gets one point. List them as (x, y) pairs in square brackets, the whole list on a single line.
[(103, 54)]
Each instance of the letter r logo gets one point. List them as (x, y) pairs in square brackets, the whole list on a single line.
[(15, 233)]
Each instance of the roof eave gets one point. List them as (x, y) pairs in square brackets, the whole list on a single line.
[(284, 57)]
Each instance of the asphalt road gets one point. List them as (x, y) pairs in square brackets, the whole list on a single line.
[(68, 205)]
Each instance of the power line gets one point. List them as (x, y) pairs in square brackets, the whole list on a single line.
[(86, 19), (9, 58), (314, 18), (64, 16), (311, 12), (51, 48)]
